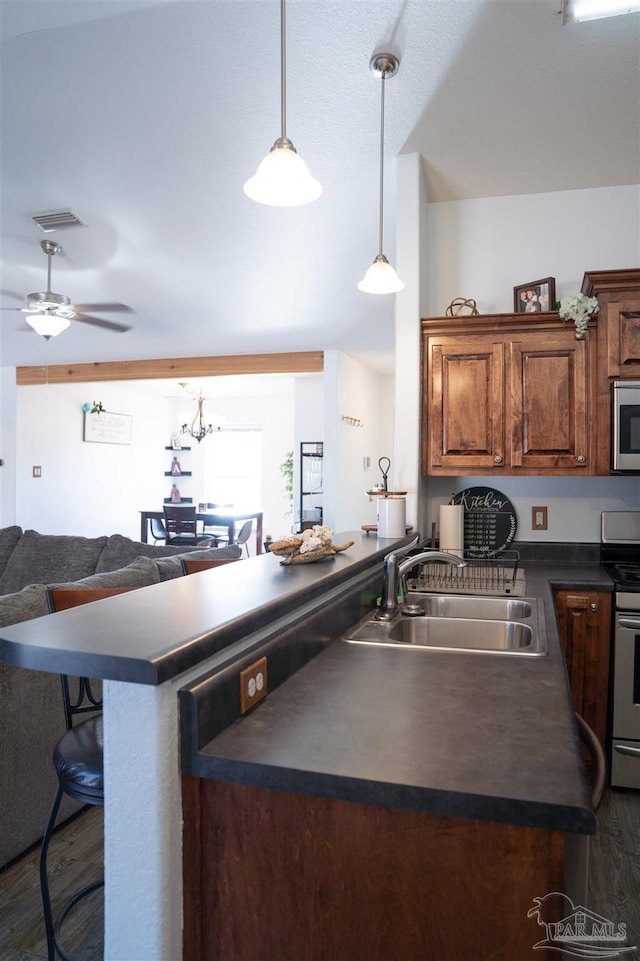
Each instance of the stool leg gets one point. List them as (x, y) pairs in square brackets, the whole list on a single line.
[(44, 880)]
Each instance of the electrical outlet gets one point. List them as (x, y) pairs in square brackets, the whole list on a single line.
[(37, 471), (538, 518), (253, 684)]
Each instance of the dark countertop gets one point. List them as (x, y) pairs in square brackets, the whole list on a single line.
[(155, 633), (471, 735)]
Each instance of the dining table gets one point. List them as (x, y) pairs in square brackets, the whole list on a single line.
[(223, 517)]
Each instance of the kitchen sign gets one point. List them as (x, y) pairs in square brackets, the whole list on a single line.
[(490, 521)]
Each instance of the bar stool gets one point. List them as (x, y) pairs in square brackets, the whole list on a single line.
[(78, 760)]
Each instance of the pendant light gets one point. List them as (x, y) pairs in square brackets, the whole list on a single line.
[(199, 427), (282, 178), (381, 278)]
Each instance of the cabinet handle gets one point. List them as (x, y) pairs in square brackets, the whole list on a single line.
[(593, 607), (497, 459), (582, 459)]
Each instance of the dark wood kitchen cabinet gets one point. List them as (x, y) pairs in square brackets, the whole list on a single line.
[(277, 876), (584, 626), (506, 395), (618, 332), (618, 293)]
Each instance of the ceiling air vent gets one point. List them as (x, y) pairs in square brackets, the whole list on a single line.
[(57, 220)]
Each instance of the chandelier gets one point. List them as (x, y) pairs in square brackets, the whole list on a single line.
[(198, 428)]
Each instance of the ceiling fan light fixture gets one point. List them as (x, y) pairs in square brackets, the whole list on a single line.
[(282, 178), (47, 325), (577, 11), (381, 277)]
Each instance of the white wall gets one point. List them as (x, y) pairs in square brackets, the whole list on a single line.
[(88, 488), (7, 445), (355, 391), (483, 248)]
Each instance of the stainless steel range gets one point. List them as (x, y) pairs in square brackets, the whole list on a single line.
[(620, 557)]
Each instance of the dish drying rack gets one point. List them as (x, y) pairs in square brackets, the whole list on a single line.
[(482, 575)]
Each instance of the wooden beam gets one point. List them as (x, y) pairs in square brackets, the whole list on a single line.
[(311, 361)]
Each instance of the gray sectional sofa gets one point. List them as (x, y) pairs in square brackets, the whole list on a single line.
[(31, 716)]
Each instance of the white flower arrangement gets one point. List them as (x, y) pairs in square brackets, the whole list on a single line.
[(580, 310)]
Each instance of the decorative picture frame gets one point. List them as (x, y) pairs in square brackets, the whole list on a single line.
[(536, 297), (107, 428)]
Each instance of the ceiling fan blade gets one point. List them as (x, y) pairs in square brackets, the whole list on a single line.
[(122, 308), (99, 322), (10, 308), (12, 294)]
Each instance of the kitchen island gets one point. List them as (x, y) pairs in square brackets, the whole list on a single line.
[(479, 752), (435, 794)]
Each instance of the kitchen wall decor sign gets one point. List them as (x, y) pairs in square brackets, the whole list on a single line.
[(490, 521)]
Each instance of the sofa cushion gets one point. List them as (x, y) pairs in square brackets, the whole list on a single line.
[(41, 558), (24, 605), (170, 567), (9, 537), (141, 573), (120, 550)]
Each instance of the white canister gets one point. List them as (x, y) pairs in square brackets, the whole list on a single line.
[(392, 516)]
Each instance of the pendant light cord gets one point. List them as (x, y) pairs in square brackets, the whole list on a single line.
[(384, 73), (283, 73)]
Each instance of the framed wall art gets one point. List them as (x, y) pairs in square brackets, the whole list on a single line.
[(535, 297), (106, 428)]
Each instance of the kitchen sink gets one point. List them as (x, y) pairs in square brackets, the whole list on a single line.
[(463, 632), (465, 605), (465, 623)]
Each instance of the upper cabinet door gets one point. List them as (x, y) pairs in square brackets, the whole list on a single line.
[(463, 410), (548, 403), (623, 338)]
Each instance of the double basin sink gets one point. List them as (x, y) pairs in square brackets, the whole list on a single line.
[(459, 622)]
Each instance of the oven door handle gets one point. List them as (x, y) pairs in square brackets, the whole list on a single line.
[(632, 622), (627, 749)]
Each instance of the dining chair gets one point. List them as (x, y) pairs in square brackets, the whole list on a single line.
[(244, 535), (158, 530), (78, 761), (182, 526), (220, 534)]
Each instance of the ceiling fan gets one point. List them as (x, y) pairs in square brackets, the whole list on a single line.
[(50, 313)]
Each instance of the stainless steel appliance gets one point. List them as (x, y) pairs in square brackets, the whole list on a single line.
[(620, 557), (625, 434)]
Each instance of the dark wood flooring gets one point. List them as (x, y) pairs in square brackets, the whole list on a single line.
[(76, 859)]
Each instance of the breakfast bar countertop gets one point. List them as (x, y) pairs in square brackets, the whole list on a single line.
[(483, 736)]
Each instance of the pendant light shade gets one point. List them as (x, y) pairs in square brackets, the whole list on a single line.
[(47, 325), (381, 277), (282, 178)]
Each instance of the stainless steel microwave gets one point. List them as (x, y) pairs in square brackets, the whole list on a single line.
[(626, 425)]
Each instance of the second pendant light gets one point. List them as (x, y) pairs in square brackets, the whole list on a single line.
[(381, 278)]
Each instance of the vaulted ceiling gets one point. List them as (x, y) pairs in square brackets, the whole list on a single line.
[(145, 117)]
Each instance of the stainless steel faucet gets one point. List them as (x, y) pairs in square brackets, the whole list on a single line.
[(395, 569)]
